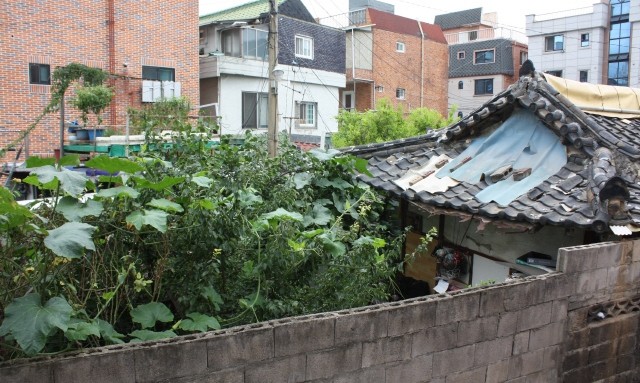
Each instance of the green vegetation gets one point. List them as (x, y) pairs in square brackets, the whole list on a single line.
[(386, 123), (187, 239)]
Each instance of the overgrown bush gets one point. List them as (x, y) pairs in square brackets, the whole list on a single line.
[(386, 123), (188, 238)]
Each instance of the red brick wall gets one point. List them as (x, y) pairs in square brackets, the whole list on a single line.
[(145, 32), (394, 70)]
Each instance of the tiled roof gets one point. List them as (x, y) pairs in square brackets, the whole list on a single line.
[(403, 25), (252, 10), (596, 188), (458, 19), (465, 67)]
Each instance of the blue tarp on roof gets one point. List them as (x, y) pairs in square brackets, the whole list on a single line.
[(521, 142)]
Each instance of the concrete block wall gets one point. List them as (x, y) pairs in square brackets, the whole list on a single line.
[(532, 330), (607, 279)]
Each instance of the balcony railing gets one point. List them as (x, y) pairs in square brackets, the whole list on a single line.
[(485, 34)]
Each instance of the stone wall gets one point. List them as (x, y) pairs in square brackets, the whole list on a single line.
[(540, 329)]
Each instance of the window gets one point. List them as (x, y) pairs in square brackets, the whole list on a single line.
[(460, 85), (584, 76), (400, 93), (158, 73), (399, 47), (307, 114), (461, 55), (523, 57), (584, 40), (254, 43), (255, 110), (619, 8), (554, 43), (232, 42), (557, 73), (347, 100), (619, 38), (473, 35), (484, 86), (39, 74), (304, 47), (484, 57), (618, 73)]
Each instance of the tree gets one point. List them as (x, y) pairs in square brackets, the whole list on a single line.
[(385, 123)]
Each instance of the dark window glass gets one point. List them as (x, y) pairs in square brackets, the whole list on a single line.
[(584, 76), (618, 73), (584, 40), (484, 57), (557, 73), (460, 85), (39, 74), (158, 73), (484, 86), (554, 43), (254, 110)]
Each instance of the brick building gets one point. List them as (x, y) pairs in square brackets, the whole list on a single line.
[(156, 40), (394, 57)]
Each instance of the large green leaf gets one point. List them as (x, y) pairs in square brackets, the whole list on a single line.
[(154, 218), (331, 246), (147, 335), (165, 183), (202, 181), (71, 182), (36, 162), (114, 164), (166, 205), (31, 323), (12, 214), (324, 155), (320, 215), (70, 240), (79, 331), (337, 183), (119, 191), (148, 314), (74, 210), (69, 160), (248, 197), (211, 295), (199, 322), (302, 179), (281, 214), (361, 166), (107, 332)]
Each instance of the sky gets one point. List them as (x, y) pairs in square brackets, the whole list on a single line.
[(511, 14)]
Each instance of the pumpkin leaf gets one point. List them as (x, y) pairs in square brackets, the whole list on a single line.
[(154, 218), (199, 322), (114, 164), (70, 240), (30, 323), (148, 314)]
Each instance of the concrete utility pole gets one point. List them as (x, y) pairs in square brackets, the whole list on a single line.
[(272, 131)]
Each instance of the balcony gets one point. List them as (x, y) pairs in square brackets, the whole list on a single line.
[(485, 34)]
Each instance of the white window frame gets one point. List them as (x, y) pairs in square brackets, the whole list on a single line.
[(306, 120), (461, 55), (304, 47), (553, 39), (475, 56), (400, 47), (585, 42), (353, 100), (401, 93), (258, 113)]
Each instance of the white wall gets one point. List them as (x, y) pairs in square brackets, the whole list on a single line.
[(298, 84), (573, 58), (465, 98), (634, 53)]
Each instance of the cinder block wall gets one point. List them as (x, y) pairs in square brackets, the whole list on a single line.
[(535, 330), (603, 337)]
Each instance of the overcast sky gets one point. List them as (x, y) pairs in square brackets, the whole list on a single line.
[(511, 14)]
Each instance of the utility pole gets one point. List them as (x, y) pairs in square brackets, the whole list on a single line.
[(272, 131)]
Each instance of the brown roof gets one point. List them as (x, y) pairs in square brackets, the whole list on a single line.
[(406, 26)]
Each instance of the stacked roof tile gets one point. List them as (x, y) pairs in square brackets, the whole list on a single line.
[(597, 186)]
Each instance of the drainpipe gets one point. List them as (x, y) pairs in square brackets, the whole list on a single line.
[(353, 68), (421, 64), (111, 49)]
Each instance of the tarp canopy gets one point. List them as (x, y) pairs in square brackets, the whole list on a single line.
[(521, 142), (604, 100)]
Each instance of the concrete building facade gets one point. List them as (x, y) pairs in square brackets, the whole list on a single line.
[(592, 44), (152, 40)]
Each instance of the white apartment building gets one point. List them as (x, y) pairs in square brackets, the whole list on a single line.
[(592, 44)]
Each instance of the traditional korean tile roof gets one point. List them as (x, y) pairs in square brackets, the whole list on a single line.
[(458, 19), (597, 186)]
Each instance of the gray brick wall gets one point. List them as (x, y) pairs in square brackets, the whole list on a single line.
[(541, 329)]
